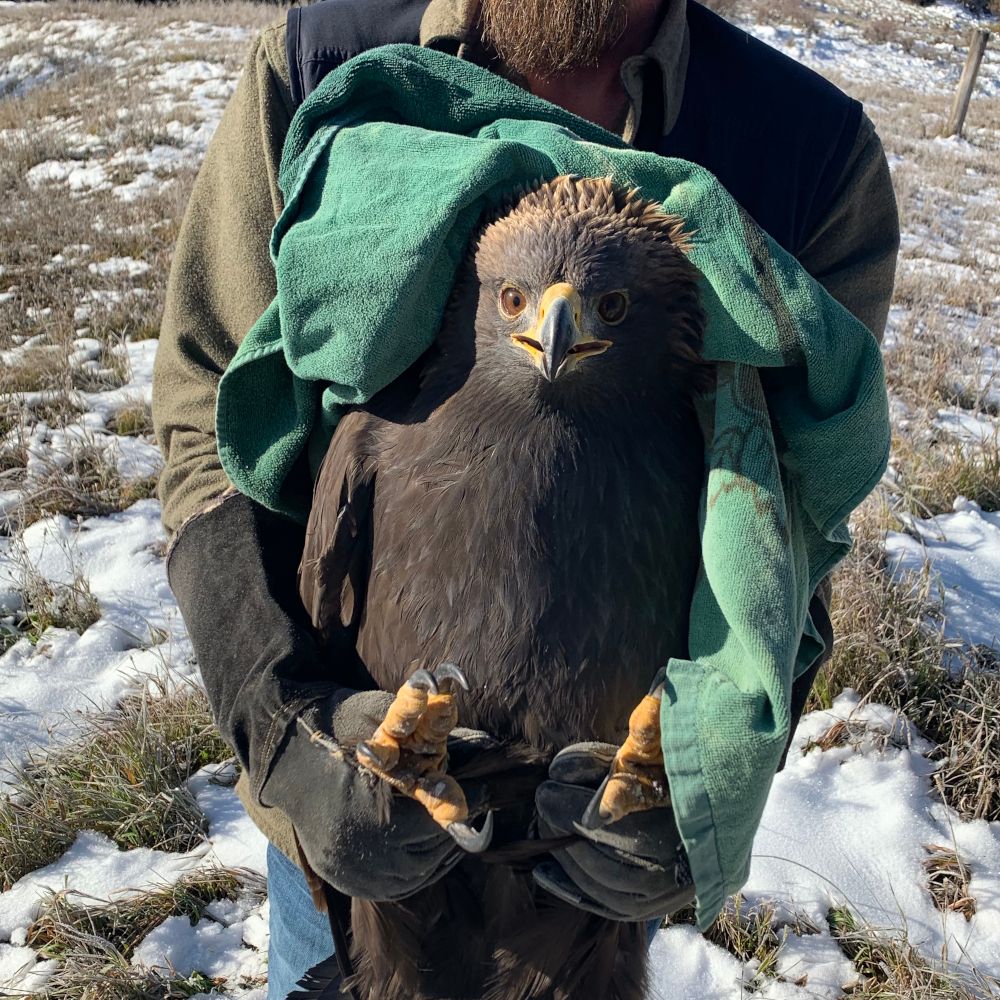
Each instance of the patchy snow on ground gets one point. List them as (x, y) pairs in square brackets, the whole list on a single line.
[(154, 65), (94, 866), (841, 50), (808, 848), (964, 552), (139, 632)]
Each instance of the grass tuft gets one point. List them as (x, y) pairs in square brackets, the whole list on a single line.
[(57, 605), (133, 420), (123, 924), (889, 633), (960, 711), (96, 970), (57, 408), (948, 878), (931, 477), (749, 933), (123, 777), (88, 485), (753, 933), (893, 970)]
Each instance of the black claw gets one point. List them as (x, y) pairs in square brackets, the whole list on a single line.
[(363, 750), (424, 680), (468, 839), (656, 688), (451, 672), (592, 818)]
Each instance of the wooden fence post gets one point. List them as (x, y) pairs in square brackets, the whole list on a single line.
[(960, 107)]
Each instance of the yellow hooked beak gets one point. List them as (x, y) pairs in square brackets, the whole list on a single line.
[(555, 341)]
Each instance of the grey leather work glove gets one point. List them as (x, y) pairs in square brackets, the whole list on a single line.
[(356, 833), (233, 570), (633, 869)]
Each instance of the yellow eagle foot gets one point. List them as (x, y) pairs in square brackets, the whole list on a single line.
[(637, 780), (410, 751)]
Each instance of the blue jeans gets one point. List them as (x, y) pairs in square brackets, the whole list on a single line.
[(300, 935)]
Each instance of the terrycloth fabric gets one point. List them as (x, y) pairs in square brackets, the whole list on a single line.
[(386, 170)]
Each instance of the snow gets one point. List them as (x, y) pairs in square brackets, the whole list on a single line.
[(119, 265), (95, 867), (89, 175), (817, 959), (964, 550), (967, 428), (808, 849), (236, 841), (841, 51), (65, 673), (686, 967), (208, 947), (14, 963)]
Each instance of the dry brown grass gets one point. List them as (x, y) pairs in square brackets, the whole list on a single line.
[(132, 421), (934, 472), (892, 969), (887, 633), (96, 970), (57, 605), (948, 879), (124, 777), (88, 112), (748, 932), (88, 485), (123, 924)]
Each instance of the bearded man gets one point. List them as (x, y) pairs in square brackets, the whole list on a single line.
[(668, 76)]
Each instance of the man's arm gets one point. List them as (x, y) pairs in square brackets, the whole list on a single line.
[(222, 278), (232, 565), (852, 250)]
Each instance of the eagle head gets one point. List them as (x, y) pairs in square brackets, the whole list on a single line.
[(585, 289)]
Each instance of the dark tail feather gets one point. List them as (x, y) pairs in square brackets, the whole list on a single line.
[(399, 945), (321, 982), (568, 954)]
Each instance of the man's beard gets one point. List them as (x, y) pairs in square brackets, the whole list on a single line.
[(549, 37)]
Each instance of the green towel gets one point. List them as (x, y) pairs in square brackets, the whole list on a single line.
[(386, 169)]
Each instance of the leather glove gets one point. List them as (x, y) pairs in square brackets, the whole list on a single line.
[(633, 869), (357, 835), (233, 570)]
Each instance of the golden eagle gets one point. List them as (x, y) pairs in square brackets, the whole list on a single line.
[(522, 503)]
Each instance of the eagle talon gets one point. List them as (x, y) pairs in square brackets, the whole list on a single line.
[(470, 840), (423, 680), (450, 672), (369, 756)]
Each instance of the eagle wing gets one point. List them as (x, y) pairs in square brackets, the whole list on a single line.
[(337, 554)]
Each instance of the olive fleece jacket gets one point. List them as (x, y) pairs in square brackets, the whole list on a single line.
[(222, 278)]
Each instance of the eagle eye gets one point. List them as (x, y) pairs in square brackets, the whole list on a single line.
[(512, 301), (612, 307)]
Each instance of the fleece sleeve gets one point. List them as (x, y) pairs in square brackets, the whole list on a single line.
[(221, 279), (852, 249)]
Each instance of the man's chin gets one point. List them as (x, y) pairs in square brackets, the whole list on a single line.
[(551, 38)]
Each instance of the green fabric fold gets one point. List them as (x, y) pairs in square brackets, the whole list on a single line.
[(386, 170)]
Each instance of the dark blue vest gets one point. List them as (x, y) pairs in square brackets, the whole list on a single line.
[(776, 134)]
